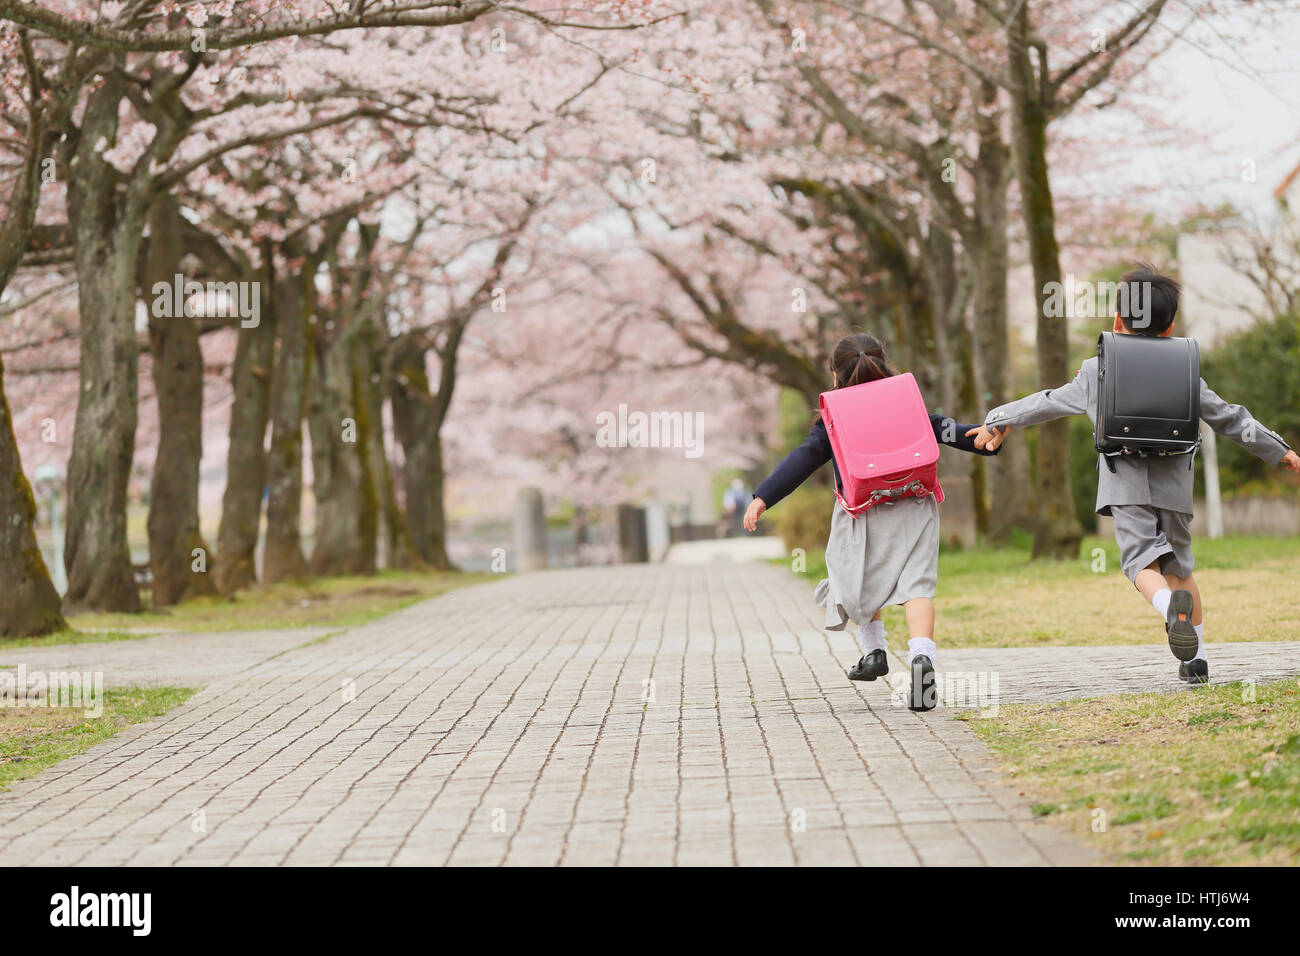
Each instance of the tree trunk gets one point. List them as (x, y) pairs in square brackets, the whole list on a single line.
[(424, 484), (345, 511), (368, 492), (99, 469), (29, 605), (178, 556), (941, 283), (241, 504), (418, 422), (283, 556), (1058, 532), (949, 294), (967, 403), (399, 549), (1007, 475)]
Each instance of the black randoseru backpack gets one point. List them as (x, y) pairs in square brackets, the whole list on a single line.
[(1148, 396)]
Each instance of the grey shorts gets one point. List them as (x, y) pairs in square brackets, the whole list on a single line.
[(1146, 534)]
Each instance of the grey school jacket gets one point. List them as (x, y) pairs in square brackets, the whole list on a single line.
[(1160, 482)]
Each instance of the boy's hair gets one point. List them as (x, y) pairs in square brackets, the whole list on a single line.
[(1147, 301)]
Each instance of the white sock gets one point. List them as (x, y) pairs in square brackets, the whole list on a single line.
[(1160, 601), (871, 637), (1200, 643), (921, 645)]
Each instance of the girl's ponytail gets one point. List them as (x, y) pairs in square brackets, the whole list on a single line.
[(860, 358)]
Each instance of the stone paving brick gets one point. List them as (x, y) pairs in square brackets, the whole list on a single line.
[(1060, 673), (643, 715), (173, 658)]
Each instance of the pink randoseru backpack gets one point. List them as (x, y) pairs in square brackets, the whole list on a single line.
[(883, 442)]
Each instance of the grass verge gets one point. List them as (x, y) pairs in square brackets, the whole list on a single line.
[(33, 739), (1210, 776), (69, 637), (998, 597), (323, 602)]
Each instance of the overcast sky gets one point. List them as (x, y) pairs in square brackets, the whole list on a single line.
[(1244, 98)]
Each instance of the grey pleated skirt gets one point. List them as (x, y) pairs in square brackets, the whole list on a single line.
[(887, 555)]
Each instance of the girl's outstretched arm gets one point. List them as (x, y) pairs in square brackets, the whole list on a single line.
[(796, 467), (957, 435)]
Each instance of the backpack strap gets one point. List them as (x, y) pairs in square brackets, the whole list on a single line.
[(1190, 452)]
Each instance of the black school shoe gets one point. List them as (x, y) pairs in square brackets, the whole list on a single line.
[(871, 666), (1178, 625), (1194, 671), (924, 693)]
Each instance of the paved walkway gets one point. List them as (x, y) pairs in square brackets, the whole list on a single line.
[(1059, 673), (714, 550), (172, 658), (635, 715)]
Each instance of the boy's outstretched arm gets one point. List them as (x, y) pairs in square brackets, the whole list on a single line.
[(1045, 406), (1236, 422)]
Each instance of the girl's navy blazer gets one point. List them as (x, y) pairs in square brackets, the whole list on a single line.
[(797, 466)]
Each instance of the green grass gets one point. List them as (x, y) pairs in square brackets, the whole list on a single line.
[(68, 637), (33, 739), (999, 597), (1210, 776), (323, 602)]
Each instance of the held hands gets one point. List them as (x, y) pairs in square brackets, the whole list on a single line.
[(986, 439), (753, 513), (1292, 461)]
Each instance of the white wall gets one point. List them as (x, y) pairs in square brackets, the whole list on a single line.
[(1218, 299)]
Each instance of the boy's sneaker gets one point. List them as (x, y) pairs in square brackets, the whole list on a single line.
[(924, 692), (1194, 671), (1178, 625), (871, 666)]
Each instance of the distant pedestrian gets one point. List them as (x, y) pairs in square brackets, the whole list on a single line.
[(734, 501)]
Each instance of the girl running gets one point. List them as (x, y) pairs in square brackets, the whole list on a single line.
[(887, 555)]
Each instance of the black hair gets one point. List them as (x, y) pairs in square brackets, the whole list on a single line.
[(859, 358), (1147, 301)]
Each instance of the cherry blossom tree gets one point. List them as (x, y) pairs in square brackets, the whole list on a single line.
[(147, 54)]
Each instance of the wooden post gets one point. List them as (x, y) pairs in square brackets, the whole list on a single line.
[(530, 530), (657, 534), (632, 547)]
